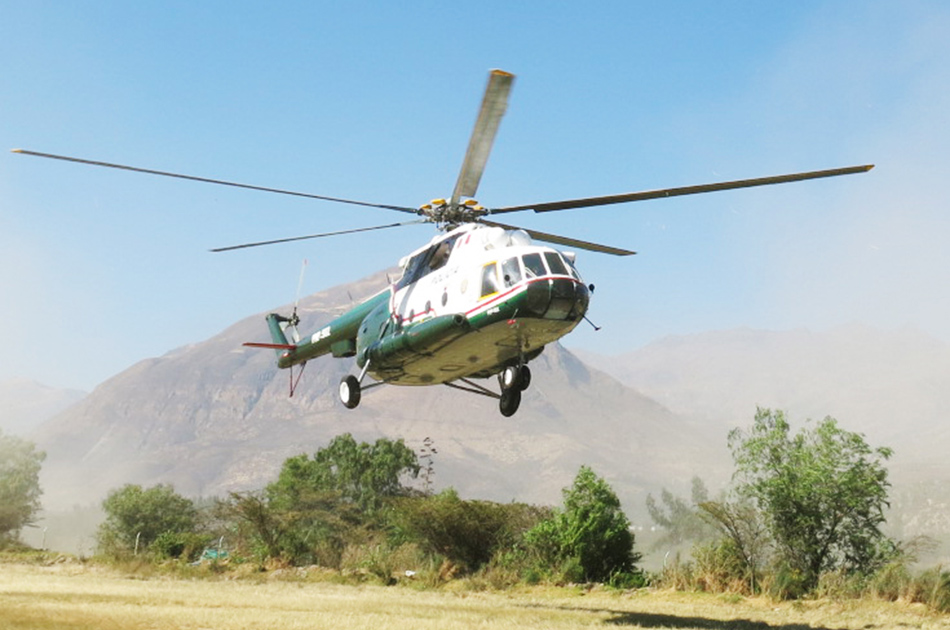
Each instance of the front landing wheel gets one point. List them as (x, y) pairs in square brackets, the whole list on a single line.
[(350, 392), (510, 401), (515, 377)]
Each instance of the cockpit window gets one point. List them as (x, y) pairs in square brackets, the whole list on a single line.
[(534, 266), (556, 264), (511, 272), (489, 280), (572, 268), (426, 262)]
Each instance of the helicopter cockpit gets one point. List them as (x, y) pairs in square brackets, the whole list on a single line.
[(425, 262)]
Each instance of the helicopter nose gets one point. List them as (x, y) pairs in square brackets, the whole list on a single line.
[(558, 299)]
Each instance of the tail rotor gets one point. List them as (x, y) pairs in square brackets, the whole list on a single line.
[(294, 318)]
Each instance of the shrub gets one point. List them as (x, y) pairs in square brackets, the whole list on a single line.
[(468, 533), (590, 540), (135, 517)]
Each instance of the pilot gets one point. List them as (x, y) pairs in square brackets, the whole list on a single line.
[(440, 256)]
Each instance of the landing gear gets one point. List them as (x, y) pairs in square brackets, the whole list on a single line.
[(509, 402), (350, 391), (514, 379)]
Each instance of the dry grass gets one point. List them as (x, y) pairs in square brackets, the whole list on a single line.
[(79, 597)]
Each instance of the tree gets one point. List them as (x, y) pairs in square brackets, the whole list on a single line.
[(681, 521), (823, 492), (362, 473), (742, 525), (136, 517), (20, 490), (591, 531)]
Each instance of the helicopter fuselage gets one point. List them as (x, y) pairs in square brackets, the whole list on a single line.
[(469, 304)]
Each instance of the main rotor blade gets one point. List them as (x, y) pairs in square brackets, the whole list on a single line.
[(564, 240), (494, 104), (212, 181), (685, 190), (303, 238)]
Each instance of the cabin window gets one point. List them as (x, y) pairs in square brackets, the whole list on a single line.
[(534, 266), (556, 264), (511, 272), (489, 279)]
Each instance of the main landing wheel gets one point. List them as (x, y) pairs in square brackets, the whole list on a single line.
[(510, 401), (515, 377), (350, 392)]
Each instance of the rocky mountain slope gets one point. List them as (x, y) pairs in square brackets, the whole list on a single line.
[(215, 416)]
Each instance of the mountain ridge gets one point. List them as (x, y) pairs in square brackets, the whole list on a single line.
[(214, 417)]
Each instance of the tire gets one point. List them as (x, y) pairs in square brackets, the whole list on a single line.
[(515, 377), (510, 401), (525, 377), (509, 378), (350, 392)]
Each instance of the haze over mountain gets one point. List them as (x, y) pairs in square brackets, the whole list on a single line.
[(890, 385), (26, 404), (893, 386), (215, 416)]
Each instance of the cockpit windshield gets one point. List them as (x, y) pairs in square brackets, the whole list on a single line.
[(556, 264)]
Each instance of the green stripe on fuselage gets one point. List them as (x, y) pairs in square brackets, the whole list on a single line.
[(342, 329)]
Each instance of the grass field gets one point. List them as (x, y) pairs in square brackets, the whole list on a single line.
[(79, 597)]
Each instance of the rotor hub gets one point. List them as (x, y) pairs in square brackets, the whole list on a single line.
[(446, 215)]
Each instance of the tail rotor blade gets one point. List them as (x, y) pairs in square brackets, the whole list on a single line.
[(295, 319)]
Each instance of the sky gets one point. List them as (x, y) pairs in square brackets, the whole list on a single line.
[(100, 269)]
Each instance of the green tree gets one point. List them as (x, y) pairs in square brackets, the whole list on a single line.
[(134, 513), (591, 533), (362, 473), (468, 533), (20, 490), (823, 492)]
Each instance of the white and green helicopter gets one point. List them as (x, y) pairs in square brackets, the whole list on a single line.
[(481, 299)]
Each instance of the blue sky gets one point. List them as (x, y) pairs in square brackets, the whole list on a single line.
[(369, 100)]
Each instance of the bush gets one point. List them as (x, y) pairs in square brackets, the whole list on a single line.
[(136, 517), (721, 568), (590, 540), (468, 533), (186, 546)]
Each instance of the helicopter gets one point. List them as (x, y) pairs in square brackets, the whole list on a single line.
[(481, 299)]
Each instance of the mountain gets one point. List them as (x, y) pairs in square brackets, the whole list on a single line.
[(27, 404), (215, 416), (891, 386)]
